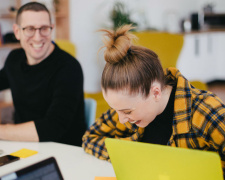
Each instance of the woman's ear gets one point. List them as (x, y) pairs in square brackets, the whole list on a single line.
[(156, 91)]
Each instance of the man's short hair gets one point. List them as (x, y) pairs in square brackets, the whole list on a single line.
[(32, 6)]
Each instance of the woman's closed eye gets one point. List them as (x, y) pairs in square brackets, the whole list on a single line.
[(127, 112)]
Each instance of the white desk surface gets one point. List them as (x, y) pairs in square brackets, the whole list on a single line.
[(73, 162)]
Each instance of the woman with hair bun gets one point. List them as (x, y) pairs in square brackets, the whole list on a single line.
[(152, 105)]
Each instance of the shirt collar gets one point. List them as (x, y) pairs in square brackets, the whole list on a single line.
[(182, 103)]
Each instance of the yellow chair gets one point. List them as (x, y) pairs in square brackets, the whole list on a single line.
[(199, 85), (67, 46), (102, 105), (167, 46)]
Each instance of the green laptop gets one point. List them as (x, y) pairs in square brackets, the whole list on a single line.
[(144, 161)]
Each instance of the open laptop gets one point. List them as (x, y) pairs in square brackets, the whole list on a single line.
[(45, 170), (137, 160)]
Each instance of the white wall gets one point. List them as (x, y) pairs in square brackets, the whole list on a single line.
[(85, 18), (6, 24), (218, 5)]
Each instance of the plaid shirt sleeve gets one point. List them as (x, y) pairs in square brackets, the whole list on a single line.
[(108, 125), (209, 120), (199, 119)]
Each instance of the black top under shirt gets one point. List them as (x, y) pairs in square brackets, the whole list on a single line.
[(49, 93), (159, 131)]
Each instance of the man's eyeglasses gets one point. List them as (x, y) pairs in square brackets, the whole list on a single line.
[(29, 31)]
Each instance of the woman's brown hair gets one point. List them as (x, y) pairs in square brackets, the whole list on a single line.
[(129, 67)]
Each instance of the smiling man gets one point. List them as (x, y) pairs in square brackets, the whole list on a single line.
[(46, 83)]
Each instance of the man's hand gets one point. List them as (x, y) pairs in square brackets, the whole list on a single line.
[(19, 132)]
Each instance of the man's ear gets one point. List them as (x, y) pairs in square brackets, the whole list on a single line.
[(16, 31), (53, 26), (52, 36)]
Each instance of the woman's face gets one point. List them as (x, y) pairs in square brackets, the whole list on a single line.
[(134, 108)]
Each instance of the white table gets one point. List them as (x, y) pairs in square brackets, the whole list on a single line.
[(73, 162)]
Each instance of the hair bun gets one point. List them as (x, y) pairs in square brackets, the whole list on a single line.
[(117, 43)]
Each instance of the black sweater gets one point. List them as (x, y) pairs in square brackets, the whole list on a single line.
[(159, 131), (49, 93)]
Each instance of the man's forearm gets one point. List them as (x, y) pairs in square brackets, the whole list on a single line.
[(19, 132)]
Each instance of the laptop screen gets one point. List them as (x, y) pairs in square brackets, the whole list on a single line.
[(46, 169)]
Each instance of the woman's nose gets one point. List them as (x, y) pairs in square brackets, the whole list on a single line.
[(123, 119)]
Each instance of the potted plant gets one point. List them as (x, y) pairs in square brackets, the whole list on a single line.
[(120, 15)]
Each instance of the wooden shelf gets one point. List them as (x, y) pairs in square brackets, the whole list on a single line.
[(11, 45), (7, 16), (204, 31), (11, 15), (61, 15), (62, 20)]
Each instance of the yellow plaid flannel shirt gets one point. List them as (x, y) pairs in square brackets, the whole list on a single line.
[(198, 122)]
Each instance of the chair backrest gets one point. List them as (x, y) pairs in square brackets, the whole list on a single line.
[(102, 105), (166, 45), (67, 46), (90, 111)]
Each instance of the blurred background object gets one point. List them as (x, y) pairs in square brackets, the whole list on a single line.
[(195, 24), (9, 38), (120, 15), (208, 8)]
